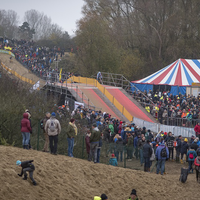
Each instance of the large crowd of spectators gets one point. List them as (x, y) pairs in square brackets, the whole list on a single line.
[(38, 59), (181, 110)]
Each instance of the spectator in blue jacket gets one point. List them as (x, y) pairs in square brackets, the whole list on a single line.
[(113, 160), (191, 154), (161, 160)]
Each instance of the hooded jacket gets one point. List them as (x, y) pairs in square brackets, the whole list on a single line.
[(113, 161), (95, 135), (158, 152), (25, 124), (57, 127)]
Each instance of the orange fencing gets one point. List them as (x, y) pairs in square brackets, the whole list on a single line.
[(94, 82)]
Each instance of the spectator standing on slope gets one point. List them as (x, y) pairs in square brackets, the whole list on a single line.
[(25, 130), (162, 154), (147, 152), (71, 133), (53, 129), (46, 137), (197, 130), (94, 142)]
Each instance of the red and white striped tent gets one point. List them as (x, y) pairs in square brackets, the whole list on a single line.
[(181, 73)]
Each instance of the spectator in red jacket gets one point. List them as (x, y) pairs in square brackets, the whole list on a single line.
[(197, 130), (25, 130)]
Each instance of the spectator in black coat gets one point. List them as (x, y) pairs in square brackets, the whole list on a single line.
[(184, 149), (170, 145), (147, 151), (178, 147)]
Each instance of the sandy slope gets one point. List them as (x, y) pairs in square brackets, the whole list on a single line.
[(20, 69), (61, 177)]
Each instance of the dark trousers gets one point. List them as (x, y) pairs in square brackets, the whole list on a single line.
[(146, 164), (28, 169), (171, 153), (53, 141), (98, 154), (197, 174), (190, 165)]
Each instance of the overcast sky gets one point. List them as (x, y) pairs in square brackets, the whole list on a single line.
[(65, 13)]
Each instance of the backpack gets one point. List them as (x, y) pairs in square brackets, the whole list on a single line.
[(184, 174), (163, 153), (41, 124), (191, 156), (52, 126)]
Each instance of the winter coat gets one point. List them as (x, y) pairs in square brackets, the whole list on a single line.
[(25, 124), (95, 135), (179, 143), (140, 143), (87, 142), (57, 127), (184, 147), (197, 162), (130, 141), (113, 162), (147, 150), (27, 164), (71, 131), (119, 145), (135, 141), (197, 129), (170, 142), (158, 152), (191, 151), (120, 129), (111, 127)]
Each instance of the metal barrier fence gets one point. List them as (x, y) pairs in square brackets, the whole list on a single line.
[(176, 130), (128, 156)]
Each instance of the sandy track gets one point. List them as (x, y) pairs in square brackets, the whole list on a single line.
[(61, 177), (17, 67)]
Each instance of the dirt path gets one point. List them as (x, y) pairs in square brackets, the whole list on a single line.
[(20, 69), (61, 177)]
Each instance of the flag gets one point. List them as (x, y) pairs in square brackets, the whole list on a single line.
[(60, 75)]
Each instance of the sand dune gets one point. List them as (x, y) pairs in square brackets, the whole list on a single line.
[(60, 177)]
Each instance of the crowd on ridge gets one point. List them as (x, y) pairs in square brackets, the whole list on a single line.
[(37, 59), (178, 110)]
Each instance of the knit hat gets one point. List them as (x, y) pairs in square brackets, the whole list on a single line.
[(72, 120), (120, 122), (103, 197), (133, 192), (53, 114), (185, 140), (18, 162), (113, 155)]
